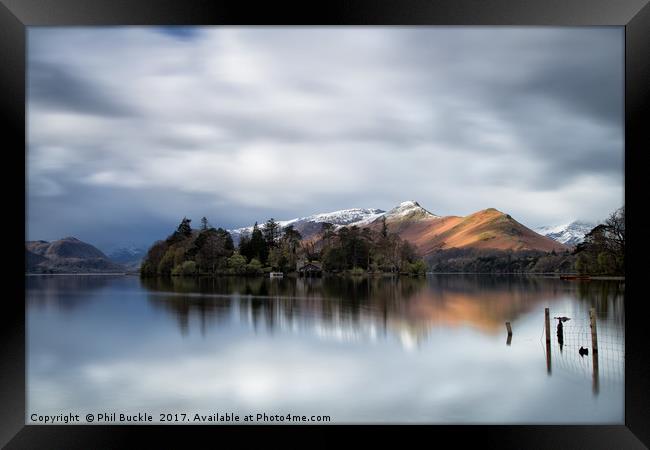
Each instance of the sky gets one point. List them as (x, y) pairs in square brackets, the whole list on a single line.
[(131, 128)]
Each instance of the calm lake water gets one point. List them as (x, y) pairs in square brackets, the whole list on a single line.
[(379, 350)]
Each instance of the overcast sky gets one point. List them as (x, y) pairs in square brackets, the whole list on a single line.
[(132, 128)]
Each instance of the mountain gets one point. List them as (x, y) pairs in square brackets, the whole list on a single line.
[(130, 256), (485, 229), (67, 255), (310, 226), (570, 234)]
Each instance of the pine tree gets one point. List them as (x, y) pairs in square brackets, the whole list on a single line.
[(271, 232), (259, 248), (184, 227)]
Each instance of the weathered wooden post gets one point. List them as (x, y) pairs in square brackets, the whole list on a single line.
[(594, 349), (594, 331), (547, 320), (509, 328)]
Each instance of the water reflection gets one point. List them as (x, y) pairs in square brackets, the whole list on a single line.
[(66, 292), (602, 322), (560, 335), (364, 350), (351, 308)]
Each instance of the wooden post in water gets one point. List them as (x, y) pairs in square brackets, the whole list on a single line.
[(547, 323), (509, 328), (594, 349), (594, 331)]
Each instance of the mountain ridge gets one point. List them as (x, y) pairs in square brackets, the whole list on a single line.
[(429, 232), (67, 255), (572, 233)]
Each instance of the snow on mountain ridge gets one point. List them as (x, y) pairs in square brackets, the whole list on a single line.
[(341, 217), (350, 217), (572, 233), (408, 208)]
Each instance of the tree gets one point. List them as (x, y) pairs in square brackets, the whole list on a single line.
[(615, 237), (417, 268), (271, 232), (237, 263), (328, 231), (188, 268), (366, 235), (291, 238), (204, 223), (603, 248), (259, 248), (245, 247), (184, 227), (212, 246), (254, 267), (167, 262), (384, 227), (152, 260)]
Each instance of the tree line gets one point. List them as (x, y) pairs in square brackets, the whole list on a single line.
[(211, 251), (501, 261), (365, 249)]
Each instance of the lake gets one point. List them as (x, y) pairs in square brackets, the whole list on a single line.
[(367, 350)]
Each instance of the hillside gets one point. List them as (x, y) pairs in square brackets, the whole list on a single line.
[(485, 229), (67, 255)]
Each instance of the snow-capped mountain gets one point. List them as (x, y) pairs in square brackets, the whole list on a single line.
[(429, 232), (409, 210), (569, 234), (310, 225), (131, 254)]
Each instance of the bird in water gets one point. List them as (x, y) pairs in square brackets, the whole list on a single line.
[(583, 351), (562, 318)]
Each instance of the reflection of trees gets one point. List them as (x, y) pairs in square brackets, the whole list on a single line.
[(397, 304), (65, 291), (605, 296)]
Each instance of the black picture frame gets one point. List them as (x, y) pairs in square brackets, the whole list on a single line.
[(634, 15)]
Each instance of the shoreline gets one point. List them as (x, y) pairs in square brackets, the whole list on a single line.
[(387, 274), (80, 274)]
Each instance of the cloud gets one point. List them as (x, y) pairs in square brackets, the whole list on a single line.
[(53, 86), (244, 123)]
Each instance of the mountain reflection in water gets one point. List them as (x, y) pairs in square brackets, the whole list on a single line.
[(367, 308), (364, 350)]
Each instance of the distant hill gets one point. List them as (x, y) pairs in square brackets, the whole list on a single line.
[(67, 255), (569, 234), (130, 256)]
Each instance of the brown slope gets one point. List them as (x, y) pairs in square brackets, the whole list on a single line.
[(486, 229)]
